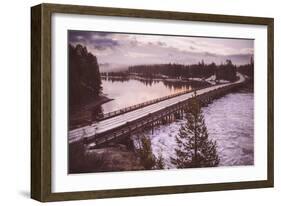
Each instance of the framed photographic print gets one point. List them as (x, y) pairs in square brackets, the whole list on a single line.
[(130, 102)]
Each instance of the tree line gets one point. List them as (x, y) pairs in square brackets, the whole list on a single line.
[(247, 69), (225, 71), (84, 75)]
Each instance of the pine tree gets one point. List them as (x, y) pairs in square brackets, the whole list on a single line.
[(160, 162), (144, 151), (194, 148)]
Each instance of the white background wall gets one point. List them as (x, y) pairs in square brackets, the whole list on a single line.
[(15, 102)]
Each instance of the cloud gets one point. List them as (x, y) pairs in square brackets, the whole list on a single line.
[(208, 54), (138, 55), (132, 49), (192, 48), (161, 43), (96, 40), (104, 43)]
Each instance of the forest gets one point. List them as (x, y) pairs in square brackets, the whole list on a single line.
[(225, 71), (84, 75)]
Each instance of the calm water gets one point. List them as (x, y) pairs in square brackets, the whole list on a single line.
[(229, 121), (131, 91)]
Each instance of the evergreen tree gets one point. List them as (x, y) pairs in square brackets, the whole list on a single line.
[(160, 162), (144, 151), (194, 148), (84, 75)]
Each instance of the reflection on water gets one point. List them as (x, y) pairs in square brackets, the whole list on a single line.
[(127, 92)]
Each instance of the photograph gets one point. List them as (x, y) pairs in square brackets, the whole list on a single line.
[(140, 101), (134, 102)]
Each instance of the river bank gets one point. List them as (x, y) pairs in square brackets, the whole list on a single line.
[(115, 157), (81, 115)]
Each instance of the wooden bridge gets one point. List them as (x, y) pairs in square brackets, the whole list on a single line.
[(124, 125)]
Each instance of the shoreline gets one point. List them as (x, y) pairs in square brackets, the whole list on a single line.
[(81, 115), (111, 158), (167, 79)]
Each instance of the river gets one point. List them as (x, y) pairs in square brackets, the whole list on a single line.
[(230, 122), (229, 119), (128, 92)]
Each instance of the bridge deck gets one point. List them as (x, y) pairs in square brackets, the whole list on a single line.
[(117, 121)]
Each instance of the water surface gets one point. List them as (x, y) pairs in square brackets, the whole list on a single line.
[(230, 122), (128, 92)]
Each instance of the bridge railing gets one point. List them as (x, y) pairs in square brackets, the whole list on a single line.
[(131, 127), (135, 125), (137, 106)]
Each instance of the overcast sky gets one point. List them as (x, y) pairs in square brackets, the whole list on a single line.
[(134, 49)]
